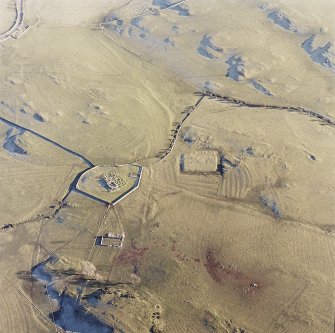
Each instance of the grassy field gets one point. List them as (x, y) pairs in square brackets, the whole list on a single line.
[(232, 227)]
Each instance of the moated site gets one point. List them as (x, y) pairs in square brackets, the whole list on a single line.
[(167, 166)]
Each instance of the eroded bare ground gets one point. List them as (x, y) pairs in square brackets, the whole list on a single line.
[(229, 109)]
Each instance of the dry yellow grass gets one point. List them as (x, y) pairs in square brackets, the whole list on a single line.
[(117, 107), (247, 250)]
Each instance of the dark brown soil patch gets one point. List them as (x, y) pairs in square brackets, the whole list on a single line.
[(229, 274), (132, 256)]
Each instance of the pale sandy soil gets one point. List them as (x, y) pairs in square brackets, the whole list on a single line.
[(244, 247)]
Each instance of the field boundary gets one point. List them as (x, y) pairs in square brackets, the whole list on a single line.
[(227, 99), (54, 143), (119, 198), (179, 127)]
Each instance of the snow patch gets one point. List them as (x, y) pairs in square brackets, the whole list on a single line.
[(114, 23), (207, 47), (204, 53), (207, 42), (260, 87), (39, 117), (137, 27), (323, 55), (282, 20), (71, 316), (270, 203), (13, 143), (236, 68)]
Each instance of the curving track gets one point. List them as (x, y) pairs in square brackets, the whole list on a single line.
[(17, 23)]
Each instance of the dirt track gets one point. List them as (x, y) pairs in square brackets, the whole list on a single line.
[(17, 23)]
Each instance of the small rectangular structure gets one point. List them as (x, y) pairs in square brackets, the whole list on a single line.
[(204, 161), (110, 240), (99, 241)]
